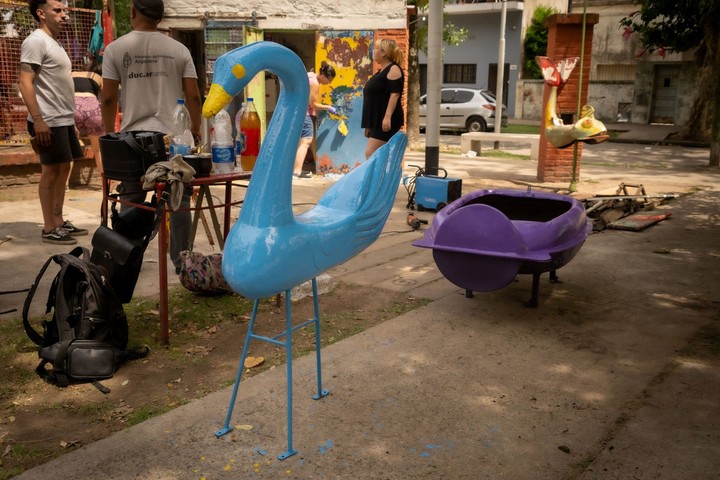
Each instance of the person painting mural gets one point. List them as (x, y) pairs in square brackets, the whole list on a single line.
[(324, 76), (382, 113)]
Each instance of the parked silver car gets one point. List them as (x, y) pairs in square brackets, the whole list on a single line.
[(465, 109)]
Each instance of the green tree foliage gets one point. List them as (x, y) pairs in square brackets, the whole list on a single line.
[(452, 34), (673, 25), (535, 42), (417, 39), (19, 21), (667, 26), (122, 17)]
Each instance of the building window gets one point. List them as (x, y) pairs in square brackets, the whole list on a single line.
[(615, 73), (220, 38), (459, 73)]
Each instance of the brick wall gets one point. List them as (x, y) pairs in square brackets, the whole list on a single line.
[(20, 166), (564, 40)]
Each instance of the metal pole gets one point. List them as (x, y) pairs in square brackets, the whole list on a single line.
[(434, 82), (500, 71), (573, 182)]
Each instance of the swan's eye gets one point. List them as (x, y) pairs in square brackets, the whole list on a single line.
[(239, 71)]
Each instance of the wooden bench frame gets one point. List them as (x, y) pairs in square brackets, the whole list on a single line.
[(473, 140)]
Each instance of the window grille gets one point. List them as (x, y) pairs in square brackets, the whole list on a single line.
[(459, 73), (16, 23)]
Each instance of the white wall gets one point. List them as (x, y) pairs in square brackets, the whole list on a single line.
[(603, 96), (290, 14)]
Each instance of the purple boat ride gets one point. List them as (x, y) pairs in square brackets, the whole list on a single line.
[(484, 239)]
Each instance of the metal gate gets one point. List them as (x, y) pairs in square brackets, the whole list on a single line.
[(16, 23)]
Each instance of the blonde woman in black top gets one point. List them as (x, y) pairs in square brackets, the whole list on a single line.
[(382, 114)]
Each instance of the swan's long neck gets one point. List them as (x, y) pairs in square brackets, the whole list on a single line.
[(550, 107), (268, 201)]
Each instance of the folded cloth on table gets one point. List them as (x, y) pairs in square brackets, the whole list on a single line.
[(175, 172)]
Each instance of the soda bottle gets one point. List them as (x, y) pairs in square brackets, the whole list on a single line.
[(181, 138), (250, 133), (223, 153), (239, 139)]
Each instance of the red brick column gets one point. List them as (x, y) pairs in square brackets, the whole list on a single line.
[(564, 40)]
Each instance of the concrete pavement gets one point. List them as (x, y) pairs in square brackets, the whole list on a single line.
[(615, 375)]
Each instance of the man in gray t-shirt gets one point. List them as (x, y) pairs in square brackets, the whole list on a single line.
[(154, 71), (47, 89)]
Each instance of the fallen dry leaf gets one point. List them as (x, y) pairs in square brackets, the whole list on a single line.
[(198, 350), (121, 412), (251, 362)]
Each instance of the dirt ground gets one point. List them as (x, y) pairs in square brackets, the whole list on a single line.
[(609, 326), (39, 421)]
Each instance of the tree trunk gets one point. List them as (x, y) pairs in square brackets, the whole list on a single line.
[(711, 35), (413, 92), (704, 122), (715, 154)]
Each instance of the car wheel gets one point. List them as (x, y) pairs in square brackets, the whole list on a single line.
[(476, 124), (440, 206)]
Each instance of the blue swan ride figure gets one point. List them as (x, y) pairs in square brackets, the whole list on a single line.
[(270, 249)]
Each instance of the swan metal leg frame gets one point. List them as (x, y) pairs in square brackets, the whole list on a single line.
[(287, 343)]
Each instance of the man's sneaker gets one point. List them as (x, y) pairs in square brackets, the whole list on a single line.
[(302, 175), (59, 236), (72, 230)]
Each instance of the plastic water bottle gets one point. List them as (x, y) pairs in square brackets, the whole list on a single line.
[(223, 153), (250, 133), (181, 138), (325, 284)]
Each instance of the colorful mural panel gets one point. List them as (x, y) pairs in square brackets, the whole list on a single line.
[(340, 140)]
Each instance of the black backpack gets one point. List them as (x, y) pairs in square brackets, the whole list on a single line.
[(86, 339)]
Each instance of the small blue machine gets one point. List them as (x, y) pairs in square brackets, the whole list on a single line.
[(430, 192), (434, 193)]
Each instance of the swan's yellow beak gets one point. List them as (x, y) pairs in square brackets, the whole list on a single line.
[(217, 98)]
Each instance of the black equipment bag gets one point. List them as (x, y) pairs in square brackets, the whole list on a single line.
[(134, 223), (120, 258), (120, 251), (86, 338), (127, 155)]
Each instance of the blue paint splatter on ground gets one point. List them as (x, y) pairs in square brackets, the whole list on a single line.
[(328, 445), (428, 446)]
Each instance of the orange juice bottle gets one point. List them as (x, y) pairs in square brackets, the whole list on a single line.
[(250, 133)]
